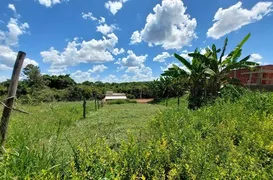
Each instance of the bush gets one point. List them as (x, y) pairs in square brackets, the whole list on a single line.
[(121, 101), (227, 140)]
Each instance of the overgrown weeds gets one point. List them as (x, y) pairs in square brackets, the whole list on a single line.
[(226, 140)]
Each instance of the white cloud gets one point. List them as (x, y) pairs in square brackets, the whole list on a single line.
[(89, 15), (133, 64), (111, 78), (105, 29), (114, 6), (80, 76), (8, 57), (4, 67), (117, 51), (235, 17), (168, 26), (140, 73), (162, 57), (171, 65), (10, 38), (101, 20), (93, 51), (133, 60), (50, 3), (12, 7), (256, 58), (15, 29), (98, 69), (135, 38)]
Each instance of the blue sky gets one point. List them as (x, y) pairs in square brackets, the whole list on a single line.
[(126, 40)]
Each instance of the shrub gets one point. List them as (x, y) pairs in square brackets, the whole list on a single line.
[(225, 140)]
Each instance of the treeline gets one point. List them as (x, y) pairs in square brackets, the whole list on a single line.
[(35, 87)]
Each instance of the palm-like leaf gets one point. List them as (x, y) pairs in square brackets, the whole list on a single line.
[(224, 50), (183, 61)]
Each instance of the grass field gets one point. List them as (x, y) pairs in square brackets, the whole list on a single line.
[(229, 139), (62, 121)]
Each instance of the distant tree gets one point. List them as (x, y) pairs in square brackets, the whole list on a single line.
[(59, 82), (33, 76)]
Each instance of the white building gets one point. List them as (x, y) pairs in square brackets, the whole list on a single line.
[(110, 95)]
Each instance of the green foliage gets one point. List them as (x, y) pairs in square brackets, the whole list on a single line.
[(33, 76), (207, 74), (59, 82), (226, 140), (121, 101), (167, 87)]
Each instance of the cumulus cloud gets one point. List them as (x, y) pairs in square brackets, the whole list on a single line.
[(114, 6), (256, 58), (117, 51), (136, 38), (98, 69), (80, 76), (105, 29), (10, 38), (3, 78), (135, 66), (169, 26), (50, 3), (8, 57), (93, 51), (235, 17), (12, 7), (169, 65), (102, 27), (89, 15), (101, 20), (133, 60), (15, 29), (111, 78), (162, 57)]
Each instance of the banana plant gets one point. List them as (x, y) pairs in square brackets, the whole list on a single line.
[(217, 69), (195, 73)]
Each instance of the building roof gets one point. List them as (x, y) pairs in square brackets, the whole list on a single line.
[(111, 95), (115, 97)]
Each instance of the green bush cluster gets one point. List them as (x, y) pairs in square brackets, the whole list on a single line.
[(225, 140)]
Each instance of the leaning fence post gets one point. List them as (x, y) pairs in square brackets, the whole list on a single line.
[(84, 108), (11, 96)]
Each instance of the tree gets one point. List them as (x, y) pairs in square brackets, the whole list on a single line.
[(218, 68), (195, 76), (59, 82), (33, 76), (206, 73)]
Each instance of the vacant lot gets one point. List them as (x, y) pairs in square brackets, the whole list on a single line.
[(60, 125)]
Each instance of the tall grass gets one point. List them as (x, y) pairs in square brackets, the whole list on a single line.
[(226, 140)]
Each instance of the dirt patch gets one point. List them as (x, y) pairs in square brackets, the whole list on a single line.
[(144, 100)]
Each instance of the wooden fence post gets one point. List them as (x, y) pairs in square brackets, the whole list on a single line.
[(178, 101), (95, 104), (98, 104), (11, 96), (84, 108)]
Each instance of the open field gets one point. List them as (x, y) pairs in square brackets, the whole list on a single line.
[(228, 139), (63, 120)]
